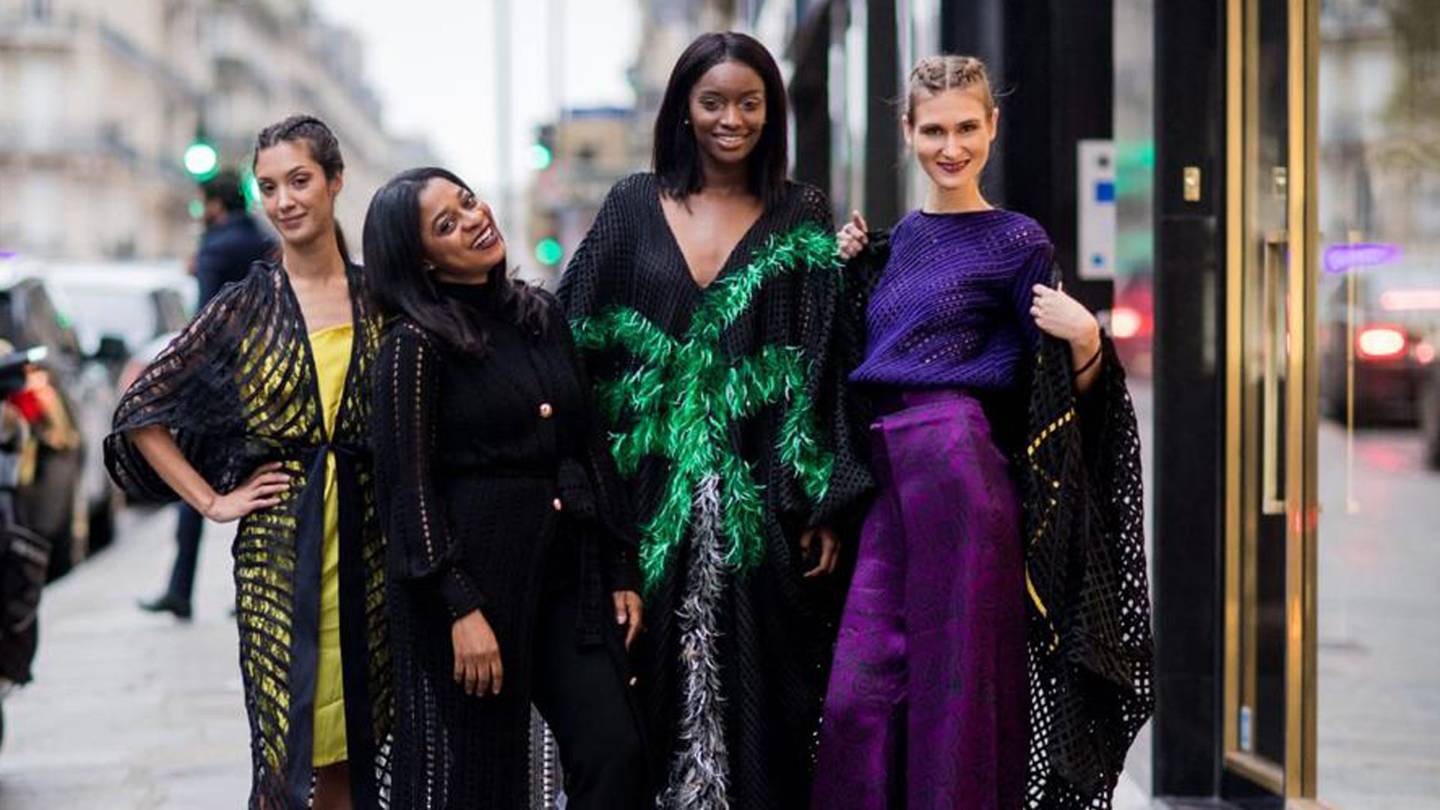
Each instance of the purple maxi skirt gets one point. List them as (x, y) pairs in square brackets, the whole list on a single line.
[(928, 697)]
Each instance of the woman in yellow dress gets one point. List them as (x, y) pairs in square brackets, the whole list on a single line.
[(259, 412)]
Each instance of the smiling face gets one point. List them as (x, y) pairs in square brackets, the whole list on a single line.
[(458, 232), (727, 112), (950, 133), (298, 199)]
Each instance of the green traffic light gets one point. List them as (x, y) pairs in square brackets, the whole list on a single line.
[(202, 160), (548, 251), (540, 157)]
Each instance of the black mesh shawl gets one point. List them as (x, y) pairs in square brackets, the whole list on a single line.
[(1091, 652), (237, 389)]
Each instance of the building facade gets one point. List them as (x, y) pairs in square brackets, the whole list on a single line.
[(107, 96)]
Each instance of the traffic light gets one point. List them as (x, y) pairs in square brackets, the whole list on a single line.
[(542, 152), (549, 251), (201, 159)]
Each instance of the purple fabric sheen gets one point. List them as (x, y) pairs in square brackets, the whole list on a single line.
[(952, 307), (927, 703)]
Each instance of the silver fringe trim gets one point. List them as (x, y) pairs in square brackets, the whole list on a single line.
[(700, 772)]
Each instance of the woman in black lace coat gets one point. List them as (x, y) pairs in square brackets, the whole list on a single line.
[(513, 567)]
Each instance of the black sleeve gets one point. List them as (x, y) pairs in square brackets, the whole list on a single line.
[(406, 390), (191, 389), (601, 251), (833, 333)]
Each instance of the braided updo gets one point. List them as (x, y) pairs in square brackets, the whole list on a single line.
[(934, 75)]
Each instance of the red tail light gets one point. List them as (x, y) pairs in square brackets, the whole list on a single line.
[(1381, 342)]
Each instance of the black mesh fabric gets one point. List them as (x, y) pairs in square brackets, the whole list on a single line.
[(1091, 651), (472, 453), (774, 630), (237, 389)]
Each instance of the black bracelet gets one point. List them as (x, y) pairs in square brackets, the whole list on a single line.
[(1090, 362)]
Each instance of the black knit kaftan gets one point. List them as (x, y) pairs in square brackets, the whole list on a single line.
[(238, 389), (473, 456), (727, 412)]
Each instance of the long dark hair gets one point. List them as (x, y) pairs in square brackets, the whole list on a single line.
[(324, 149), (677, 155), (394, 257)]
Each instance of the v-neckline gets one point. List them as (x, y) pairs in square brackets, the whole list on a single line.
[(680, 250), (309, 350)]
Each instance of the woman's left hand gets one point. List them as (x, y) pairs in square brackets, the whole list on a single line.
[(829, 549), (1061, 316), (628, 613), (852, 238)]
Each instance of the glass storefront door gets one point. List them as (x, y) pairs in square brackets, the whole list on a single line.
[(1270, 688)]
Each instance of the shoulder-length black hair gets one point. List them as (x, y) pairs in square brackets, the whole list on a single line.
[(399, 285), (677, 162)]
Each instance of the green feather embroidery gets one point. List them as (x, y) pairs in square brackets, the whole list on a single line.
[(684, 396)]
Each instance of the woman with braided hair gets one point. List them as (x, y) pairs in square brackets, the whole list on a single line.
[(259, 412), (994, 651), (709, 305)]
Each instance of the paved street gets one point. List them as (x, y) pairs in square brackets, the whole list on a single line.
[(1379, 617), (130, 711)]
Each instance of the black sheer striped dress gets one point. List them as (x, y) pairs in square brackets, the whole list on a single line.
[(237, 389)]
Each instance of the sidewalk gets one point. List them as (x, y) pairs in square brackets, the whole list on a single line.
[(130, 710)]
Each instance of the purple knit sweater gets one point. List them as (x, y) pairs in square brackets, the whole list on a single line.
[(952, 308)]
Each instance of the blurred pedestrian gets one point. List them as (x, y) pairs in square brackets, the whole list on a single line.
[(968, 567), (232, 241), (708, 302), (259, 411), (511, 542)]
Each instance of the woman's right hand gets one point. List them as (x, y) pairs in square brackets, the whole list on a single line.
[(260, 491), (477, 655), (853, 237)]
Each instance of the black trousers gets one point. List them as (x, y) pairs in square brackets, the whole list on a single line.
[(187, 552), (582, 694)]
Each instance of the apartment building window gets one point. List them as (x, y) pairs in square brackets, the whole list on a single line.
[(39, 9)]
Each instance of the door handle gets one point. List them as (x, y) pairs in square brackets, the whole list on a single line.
[(1274, 358)]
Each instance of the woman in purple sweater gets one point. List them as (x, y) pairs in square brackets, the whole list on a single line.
[(928, 699)]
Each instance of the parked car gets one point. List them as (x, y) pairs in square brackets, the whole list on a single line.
[(69, 400), (1396, 310), (117, 307)]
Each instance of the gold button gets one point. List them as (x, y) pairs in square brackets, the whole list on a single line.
[(546, 411), (557, 504)]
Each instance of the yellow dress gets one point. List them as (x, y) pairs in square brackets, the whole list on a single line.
[(331, 349)]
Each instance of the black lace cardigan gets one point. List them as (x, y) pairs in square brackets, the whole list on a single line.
[(238, 389)]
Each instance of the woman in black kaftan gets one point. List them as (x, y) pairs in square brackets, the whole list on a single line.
[(721, 382), (245, 416)]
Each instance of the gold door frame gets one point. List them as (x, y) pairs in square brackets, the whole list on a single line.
[(1297, 778)]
